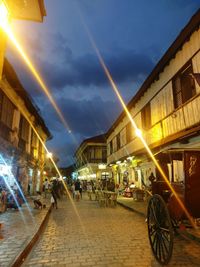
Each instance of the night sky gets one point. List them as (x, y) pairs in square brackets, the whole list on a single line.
[(131, 37)]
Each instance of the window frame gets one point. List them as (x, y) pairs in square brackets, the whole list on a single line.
[(181, 94), (146, 116)]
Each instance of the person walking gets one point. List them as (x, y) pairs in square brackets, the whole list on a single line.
[(46, 187), (81, 190), (73, 190), (54, 199), (89, 190), (77, 190)]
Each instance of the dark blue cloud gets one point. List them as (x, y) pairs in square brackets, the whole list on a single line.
[(85, 117), (86, 70)]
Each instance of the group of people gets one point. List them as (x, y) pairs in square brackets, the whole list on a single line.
[(77, 187), (54, 188)]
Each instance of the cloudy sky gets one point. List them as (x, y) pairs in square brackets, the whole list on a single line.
[(131, 36)]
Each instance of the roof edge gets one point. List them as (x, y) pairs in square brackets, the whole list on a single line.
[(185, 33)]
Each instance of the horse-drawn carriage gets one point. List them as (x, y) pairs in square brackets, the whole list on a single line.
[(165, 210)]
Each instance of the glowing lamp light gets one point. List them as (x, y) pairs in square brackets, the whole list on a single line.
[(5, 169), (102, 166), (49, 155), (4, 15), (138, 133)]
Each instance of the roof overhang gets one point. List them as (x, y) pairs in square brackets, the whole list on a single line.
[(33, 10)]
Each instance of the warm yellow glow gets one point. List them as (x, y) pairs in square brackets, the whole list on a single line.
[(156, 133), (49, 155), (4, 15), (138, 132)]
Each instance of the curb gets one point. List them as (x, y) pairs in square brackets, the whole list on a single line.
[(131, 209), (24, 253)]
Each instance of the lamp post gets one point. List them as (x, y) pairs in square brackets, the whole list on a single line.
[(33, 10)]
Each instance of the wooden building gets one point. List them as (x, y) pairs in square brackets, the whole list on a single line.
[(167, 110), (91, 157)]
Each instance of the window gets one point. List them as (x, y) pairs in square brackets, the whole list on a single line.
[(123, 137), (104, 154), (33, 139), (98, 153), (7, 112), (183, 86), (40, 150), (146, 117), (92, 153), (114, 141), (23, 133), (24, 129), (33, 143), (6, 115), (118, 141), (130, 134), (111, 147)]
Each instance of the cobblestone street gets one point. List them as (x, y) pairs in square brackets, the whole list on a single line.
[(18, 229), (105, 237)]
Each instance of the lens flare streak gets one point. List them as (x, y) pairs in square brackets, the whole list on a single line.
[(33, 70)]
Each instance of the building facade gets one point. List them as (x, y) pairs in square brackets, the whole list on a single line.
[(21, 150), (166, 108), (91, 159)]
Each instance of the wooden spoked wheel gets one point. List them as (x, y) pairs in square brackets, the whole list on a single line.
[(160, 229)]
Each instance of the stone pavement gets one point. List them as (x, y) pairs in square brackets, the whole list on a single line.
[(139, 207), (18, 229), (90, 235)]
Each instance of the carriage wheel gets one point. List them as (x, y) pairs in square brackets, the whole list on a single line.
[(160, 229)]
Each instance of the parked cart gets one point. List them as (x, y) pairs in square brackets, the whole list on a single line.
[(165, 214)]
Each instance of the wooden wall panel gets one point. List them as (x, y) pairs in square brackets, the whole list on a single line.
[(123, 137), (155, 134)]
